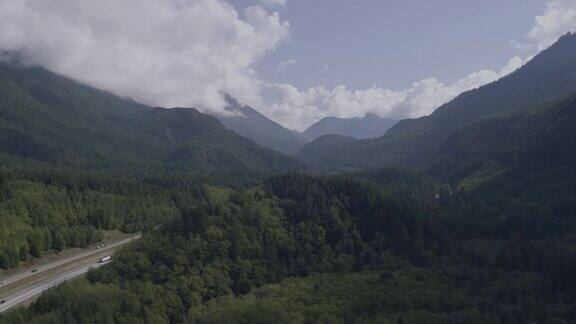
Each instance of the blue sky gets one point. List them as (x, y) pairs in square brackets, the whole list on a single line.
[(393, 43)]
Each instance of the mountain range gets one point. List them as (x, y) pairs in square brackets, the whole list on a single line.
[(415, 143), (48, 119), (250, 123)]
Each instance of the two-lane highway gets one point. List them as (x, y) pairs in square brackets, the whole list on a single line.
[(27, 284)]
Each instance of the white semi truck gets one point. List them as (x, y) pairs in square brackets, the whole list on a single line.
[(105, 259)]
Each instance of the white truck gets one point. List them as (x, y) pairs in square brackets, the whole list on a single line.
[(105, 259)]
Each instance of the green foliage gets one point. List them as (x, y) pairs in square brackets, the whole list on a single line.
[(408, 294), (48, 210), (334, 249)]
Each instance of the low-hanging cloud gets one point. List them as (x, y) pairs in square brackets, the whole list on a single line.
[(558, 19), (299, 108), (159, 52)]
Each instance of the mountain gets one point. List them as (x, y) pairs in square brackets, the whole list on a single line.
[(248, 122), (416, 142), (322, 146), (51, 120), (369, 126), (524, 153), (522, 165)]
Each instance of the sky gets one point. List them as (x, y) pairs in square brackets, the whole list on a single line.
[(296, 61), (367, 42)]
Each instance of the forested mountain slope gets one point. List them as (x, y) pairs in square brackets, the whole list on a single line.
[(323, 146), (46, 118), (415, 143), (529, 155)]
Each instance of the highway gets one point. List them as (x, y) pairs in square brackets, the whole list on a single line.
[(27, 284)]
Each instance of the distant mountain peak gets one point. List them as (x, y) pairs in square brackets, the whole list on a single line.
[(368, 126), (240, 109), (250, 123)]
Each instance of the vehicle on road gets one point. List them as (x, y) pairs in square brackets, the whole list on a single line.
[(105, 259), (3, 283), (2, 302), (34, 270)]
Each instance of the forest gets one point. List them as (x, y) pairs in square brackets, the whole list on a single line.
[(388, 246)]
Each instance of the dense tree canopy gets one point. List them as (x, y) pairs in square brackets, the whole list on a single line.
[(331, 249)]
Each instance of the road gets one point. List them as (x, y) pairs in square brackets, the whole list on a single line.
[(24, 285)]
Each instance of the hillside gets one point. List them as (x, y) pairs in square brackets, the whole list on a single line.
[(51, 120), (248, 122), (368, 126), (529, 155), (415, 143), (322, 146)]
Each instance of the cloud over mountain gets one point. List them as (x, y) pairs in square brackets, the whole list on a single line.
[(558, 18), (187, 52), (299, 108), (159, 52)]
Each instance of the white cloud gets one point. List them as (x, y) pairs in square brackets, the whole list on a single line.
[(159, 52), (558, 19), (298, 109)]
